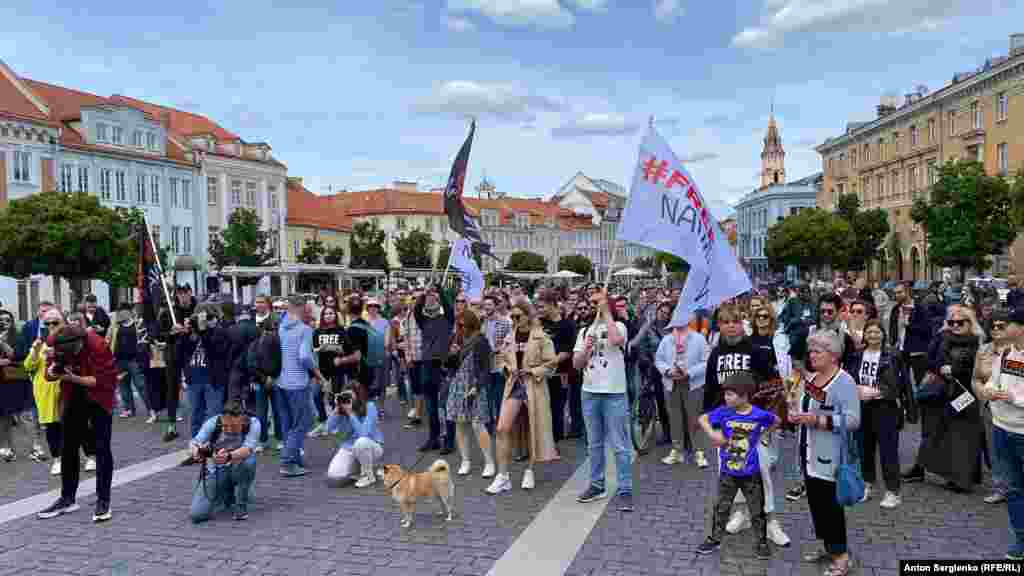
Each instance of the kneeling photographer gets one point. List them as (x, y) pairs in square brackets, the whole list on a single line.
[(365, 443), (225, 445), (88, 374)]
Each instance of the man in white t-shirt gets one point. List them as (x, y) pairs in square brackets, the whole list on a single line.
[(599, 353)]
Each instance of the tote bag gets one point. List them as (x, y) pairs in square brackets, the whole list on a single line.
[(849, 482)]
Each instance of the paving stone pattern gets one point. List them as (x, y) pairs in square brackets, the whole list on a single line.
[(297, 526)]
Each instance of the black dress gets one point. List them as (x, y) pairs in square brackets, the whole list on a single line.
[(954, 448)]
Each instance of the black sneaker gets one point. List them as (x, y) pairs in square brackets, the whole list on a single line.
[(796, 492), (59, 507), (102, 513), (709, 546), (915, 474), (241, 514), (762, 550), (170, 435), (591, 494), (624, 502)]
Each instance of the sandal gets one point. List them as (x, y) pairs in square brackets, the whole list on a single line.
[(839, 569), (817, 557)]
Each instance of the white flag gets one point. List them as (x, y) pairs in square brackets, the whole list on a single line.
[(665, 210), (461, 261), (709, 288)]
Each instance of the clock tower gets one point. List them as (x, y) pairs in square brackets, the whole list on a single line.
[(773, 157)]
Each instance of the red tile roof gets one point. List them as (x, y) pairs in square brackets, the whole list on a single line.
[(181, 122), (14, 103), (308, 209)]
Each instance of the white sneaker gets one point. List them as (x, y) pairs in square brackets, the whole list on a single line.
[(317, 431), (702, 462), (867, 493), (411, 414), (7, 455), (90, 464), (488, 470), (152, 418), (891, 501), (738, 522), (528, 480), (366, 480), (464, 468), (775, 533), (55, 469), (995, 498), (502, 483), (259, 449), (280, 446), (672, 458)]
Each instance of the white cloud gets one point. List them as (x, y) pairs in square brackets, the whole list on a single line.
[(456, 24), (590, 5), (833, 16), (698, 157), (596, 124), (505, 102), (668, 10), (520, 13)]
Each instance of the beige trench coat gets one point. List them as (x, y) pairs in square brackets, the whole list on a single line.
[(540, 361)]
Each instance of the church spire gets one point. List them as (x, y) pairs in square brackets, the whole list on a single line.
[(773, 156)]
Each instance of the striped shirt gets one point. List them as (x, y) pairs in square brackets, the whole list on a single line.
[(496, 329), (413, 338)]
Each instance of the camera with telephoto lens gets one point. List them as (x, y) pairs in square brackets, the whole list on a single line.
[(344, 398)]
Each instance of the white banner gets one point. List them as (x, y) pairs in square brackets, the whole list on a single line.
[(461, 261), (709, 288), (666, 211)]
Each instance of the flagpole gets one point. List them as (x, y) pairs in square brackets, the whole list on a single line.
[(160, 268)]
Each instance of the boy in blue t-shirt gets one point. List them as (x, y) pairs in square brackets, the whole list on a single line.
[(736, 429)]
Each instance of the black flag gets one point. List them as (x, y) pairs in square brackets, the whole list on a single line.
[(458, 220)]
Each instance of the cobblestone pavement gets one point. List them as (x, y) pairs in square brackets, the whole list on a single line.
[(296, 526), (672, 518), (300, 526)]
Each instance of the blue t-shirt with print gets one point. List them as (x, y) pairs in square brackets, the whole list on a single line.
[(742, 433)]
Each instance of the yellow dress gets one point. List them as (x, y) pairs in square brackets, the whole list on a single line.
[(46, 392)]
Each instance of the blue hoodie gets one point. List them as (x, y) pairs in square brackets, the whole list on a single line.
[(297, 360)]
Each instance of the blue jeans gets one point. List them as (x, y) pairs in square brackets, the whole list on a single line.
[(1008, 450), (133, 381), (228, 485), (296, 415), (207, 401), (606, 417), (280, 430), (260, 400)]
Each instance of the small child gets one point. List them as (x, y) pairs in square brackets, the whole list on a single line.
[(736, 429)]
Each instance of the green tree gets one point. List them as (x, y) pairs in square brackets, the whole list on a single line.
[(1017, 199), (445, 252), (334, 255), (525, 261), (312, 251), (366, 247), (577, 263), (124, 269), (968, 218), (809, 239), (243, 242), (414, 249), (68, 235), (869, 227), (674, 264)]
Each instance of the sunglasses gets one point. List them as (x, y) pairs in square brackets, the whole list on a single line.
[(957, 323), (53, 323)]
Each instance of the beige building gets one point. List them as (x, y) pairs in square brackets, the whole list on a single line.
[(893, 160)]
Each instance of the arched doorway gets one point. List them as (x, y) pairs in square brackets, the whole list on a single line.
[(915, 263)]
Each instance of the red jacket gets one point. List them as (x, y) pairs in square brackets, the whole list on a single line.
[(95, 360)]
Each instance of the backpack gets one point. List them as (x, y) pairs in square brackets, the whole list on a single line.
[(375, 354)]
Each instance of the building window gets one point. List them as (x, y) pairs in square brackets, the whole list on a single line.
[(272, 192), (913, 136), (173, 184), (867, 153), (67, 177), (236, 192), (933, 173), (1004, 158), (175, 236), (931, 130), (186, 194), (1002, 106), (137, 139), (867, 190), (894, 188), (213, 231), (295, 248), (21, 166), (853, 158), (105, 184), (400, 222), (151, 141), (83, 178), (881, 149), (101, 132), (156, 235), (952, 122), (186, 238), (120, 186), (250, 194), (912, 179), (154, 182), (116, 135), (976, 115), (212, 191), (881, 188), (140, 189), (842, 163)]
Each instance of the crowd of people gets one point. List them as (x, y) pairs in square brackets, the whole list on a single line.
[(523, 371)]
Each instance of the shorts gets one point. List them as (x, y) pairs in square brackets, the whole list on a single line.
[(518, 391)]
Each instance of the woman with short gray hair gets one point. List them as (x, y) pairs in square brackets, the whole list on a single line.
[(829, 395)]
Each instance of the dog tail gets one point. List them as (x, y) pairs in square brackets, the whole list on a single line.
[(439, 466)]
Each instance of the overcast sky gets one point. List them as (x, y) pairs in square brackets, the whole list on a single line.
[(357, 94)]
